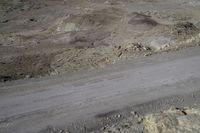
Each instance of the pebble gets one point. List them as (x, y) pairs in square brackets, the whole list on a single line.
[(118, 116)]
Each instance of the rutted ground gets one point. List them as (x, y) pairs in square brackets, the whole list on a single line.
[(174, 120), (39, 38)]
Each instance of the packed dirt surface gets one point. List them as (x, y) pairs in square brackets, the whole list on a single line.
[(86, 101), (174, 120), (50, 37)]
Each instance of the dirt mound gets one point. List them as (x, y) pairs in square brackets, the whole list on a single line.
[(142, 19), (103, 19), (75, 59)]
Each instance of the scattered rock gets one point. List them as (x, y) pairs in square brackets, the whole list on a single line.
[(33, 20), (185, 29), (133, 113), (5, 21), (5, 78), (118, 116), (27, 76), (159, 43), (147, 54), (174, 120)]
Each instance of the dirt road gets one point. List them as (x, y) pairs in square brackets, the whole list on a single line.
[(62, 101), (52, 37)]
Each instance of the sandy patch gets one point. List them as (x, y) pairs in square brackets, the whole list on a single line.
[(174, 120)]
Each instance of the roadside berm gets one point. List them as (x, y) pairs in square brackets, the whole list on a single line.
[(173, 120)]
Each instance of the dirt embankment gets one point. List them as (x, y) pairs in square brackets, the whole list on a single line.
[(174, 120), (39, 38)]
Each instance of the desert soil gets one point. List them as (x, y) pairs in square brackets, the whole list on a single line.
[(174, 120), (51, 37)]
